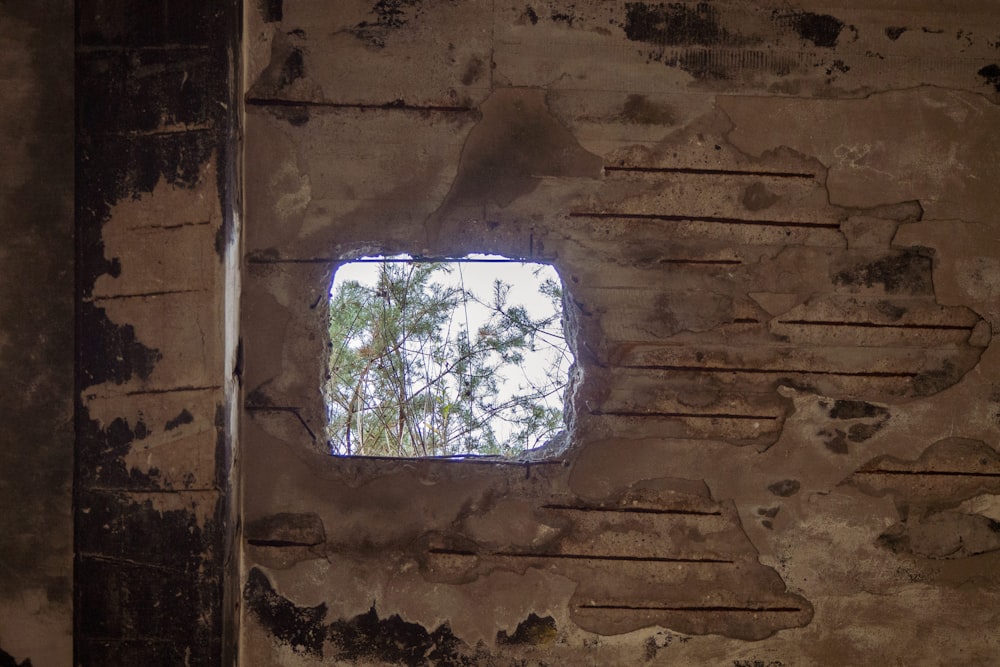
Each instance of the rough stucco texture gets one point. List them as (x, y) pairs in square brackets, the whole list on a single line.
[(776, 225), (36, 332)]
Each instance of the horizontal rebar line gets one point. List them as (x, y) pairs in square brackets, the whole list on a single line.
[(712, 172), (939, 473), (623, 607), (876, 325), (281, 543), (115, 48), (164, 492), (179, 225), (632, 510), (696, 218), (702, 415), (765, 371), (700, 261), (140, 295), (635, 559), (398, 105), (172, 390)]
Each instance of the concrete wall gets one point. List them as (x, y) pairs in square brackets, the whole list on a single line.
[(36, 332), (776, 225), (156, 173)]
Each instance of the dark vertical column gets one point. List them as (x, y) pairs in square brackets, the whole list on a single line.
[(36, 331), (155, 193)]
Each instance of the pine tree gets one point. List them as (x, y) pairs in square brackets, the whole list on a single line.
[(407, 377)]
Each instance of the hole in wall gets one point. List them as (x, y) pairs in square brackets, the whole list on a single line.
[(456, 357)]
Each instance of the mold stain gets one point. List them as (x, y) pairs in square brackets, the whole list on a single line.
[(473, 71), (845, 409), (674, 24), (991, 75), (272, 10), (822, 30), (785, 488), (292, 69), (638, 109), (907, 271), (895, 32), (757, 197), (184, 417), (389, 15)]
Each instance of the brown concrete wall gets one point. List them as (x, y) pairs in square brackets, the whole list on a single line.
[(777, 228), (36, 332)]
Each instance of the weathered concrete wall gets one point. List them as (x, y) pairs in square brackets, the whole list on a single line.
[(156, 351), (777, 228), (36, 332)]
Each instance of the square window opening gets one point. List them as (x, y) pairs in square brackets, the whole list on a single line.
[(456, 358)]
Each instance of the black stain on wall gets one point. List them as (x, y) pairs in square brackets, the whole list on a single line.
[(126, 356), (991, 73), (567, 17), (846, 409), (101, 451), (389, 15), (906, 271), (7, 660), (271, 10), (835, 440), (292, 69), (822, 30), (895, 32), (394, 641), (184, 417), (674, 24), (785, 488), (862, 432), (300, 628)]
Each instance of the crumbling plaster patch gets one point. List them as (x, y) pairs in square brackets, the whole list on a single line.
[(931, 144)]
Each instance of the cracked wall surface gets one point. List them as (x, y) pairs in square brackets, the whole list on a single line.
[(776, 226), (747, 207)]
